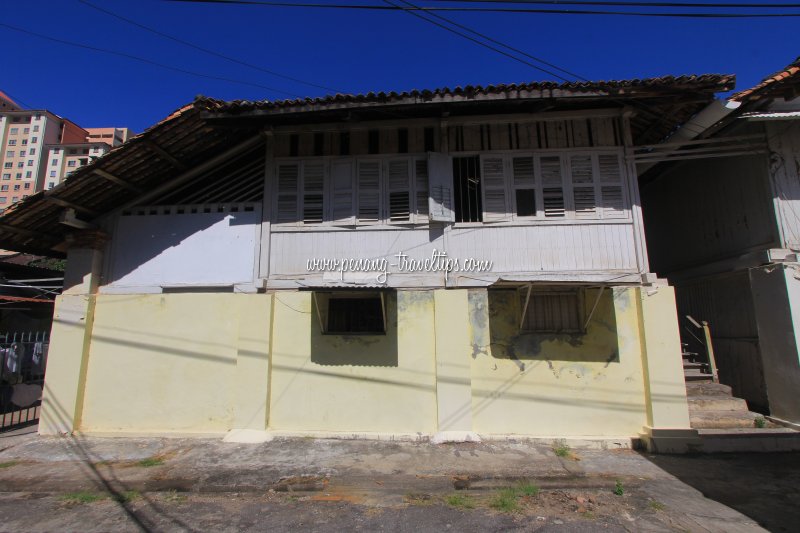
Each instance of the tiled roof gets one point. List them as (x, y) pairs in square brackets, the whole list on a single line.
[(772, 84), (714, 82)]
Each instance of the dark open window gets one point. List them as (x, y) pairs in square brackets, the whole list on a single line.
[(351, 313), (467, 189)]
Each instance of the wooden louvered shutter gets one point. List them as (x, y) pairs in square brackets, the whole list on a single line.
[(583, 186), (313, 192), (551, 178), (399, 183), (286, 202), (421, 189), (369, 191), (612, 193), (342, 192), (495, 206), (440, 179)]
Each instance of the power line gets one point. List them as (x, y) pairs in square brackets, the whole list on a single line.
[(143, 60), (205, 50), (734, 5), (496, 10), (509, 47), (480, 43)]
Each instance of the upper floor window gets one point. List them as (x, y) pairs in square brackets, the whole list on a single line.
[(352, 191)]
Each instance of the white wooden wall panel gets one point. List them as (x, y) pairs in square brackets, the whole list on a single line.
[(187, 249), (606, 249), (548, 248), (784, 143)]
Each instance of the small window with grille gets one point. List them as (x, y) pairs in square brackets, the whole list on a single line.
[(552, 310), (351, 312)]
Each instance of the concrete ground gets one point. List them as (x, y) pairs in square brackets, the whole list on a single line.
[(181, 484)]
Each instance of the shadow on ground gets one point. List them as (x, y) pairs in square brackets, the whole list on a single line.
[(763, 486)]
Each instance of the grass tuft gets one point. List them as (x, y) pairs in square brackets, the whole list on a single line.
[(619, 490), (151, 461), (760, 422), (505, 500), (529, 489), (83, 497), (464, 501), (9, 464), (656, 505)]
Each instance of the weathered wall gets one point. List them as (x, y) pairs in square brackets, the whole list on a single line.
[(706, 210), (167, 362), (776, 295), (569, 385), (451, 360), (725, 301), (373, 383), (784, 165)]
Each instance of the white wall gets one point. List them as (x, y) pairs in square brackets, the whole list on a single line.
[(216, 248)]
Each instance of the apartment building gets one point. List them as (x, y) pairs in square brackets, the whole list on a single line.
[(38, 149)]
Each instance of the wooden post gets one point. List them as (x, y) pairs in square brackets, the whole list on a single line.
[(712, 363)]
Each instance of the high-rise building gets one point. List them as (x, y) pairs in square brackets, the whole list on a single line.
[(38, 149)]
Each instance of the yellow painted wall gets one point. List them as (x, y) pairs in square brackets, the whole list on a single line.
[(565, 385), (365, 383), (166, 362), (207, 363)]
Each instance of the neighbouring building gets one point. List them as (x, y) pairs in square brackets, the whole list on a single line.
[(448, 263), (36, 149), (7, 104), (721, 211)]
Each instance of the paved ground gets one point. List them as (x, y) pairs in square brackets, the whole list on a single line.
[(103, 484)]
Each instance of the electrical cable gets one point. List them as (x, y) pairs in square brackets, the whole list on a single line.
[(206, 50), (495, 41), (143, 60), (494, 10)]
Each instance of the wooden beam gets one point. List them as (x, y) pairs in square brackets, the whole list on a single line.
[(164, 154), (68, 218), (64, 203), (119, 181), (191, 173), (25, 232)]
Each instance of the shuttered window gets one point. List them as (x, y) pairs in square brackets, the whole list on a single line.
[(313, 192), (399, 182), (612, 193), (287, 180), (552, 311), (524, 187), (583, 191), (342, 192), (421, 189), (369, 191), (552, 179), (495, 206)]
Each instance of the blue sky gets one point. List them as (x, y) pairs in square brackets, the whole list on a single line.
[(348, 50)]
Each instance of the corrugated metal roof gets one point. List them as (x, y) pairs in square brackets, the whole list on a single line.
[(187, 138), (777, 115)]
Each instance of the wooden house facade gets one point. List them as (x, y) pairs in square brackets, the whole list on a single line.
[(450, 263)]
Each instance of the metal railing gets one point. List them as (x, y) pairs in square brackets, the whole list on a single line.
[(704, 341), (24, 358)]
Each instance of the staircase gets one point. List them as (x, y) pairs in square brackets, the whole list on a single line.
[(724, 422)]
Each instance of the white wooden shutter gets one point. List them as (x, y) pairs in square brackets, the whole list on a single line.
[(440, 179), (551, 178), (399, 183), (612, 193), (421, 189), (313, 192), (286, 203), (369, 191), (495, 206), (583, 186), (342, 192)]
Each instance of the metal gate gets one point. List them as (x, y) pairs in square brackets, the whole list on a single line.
[(24, 358)]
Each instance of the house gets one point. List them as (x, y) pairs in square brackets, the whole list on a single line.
[(721, 219), (451, 263)]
